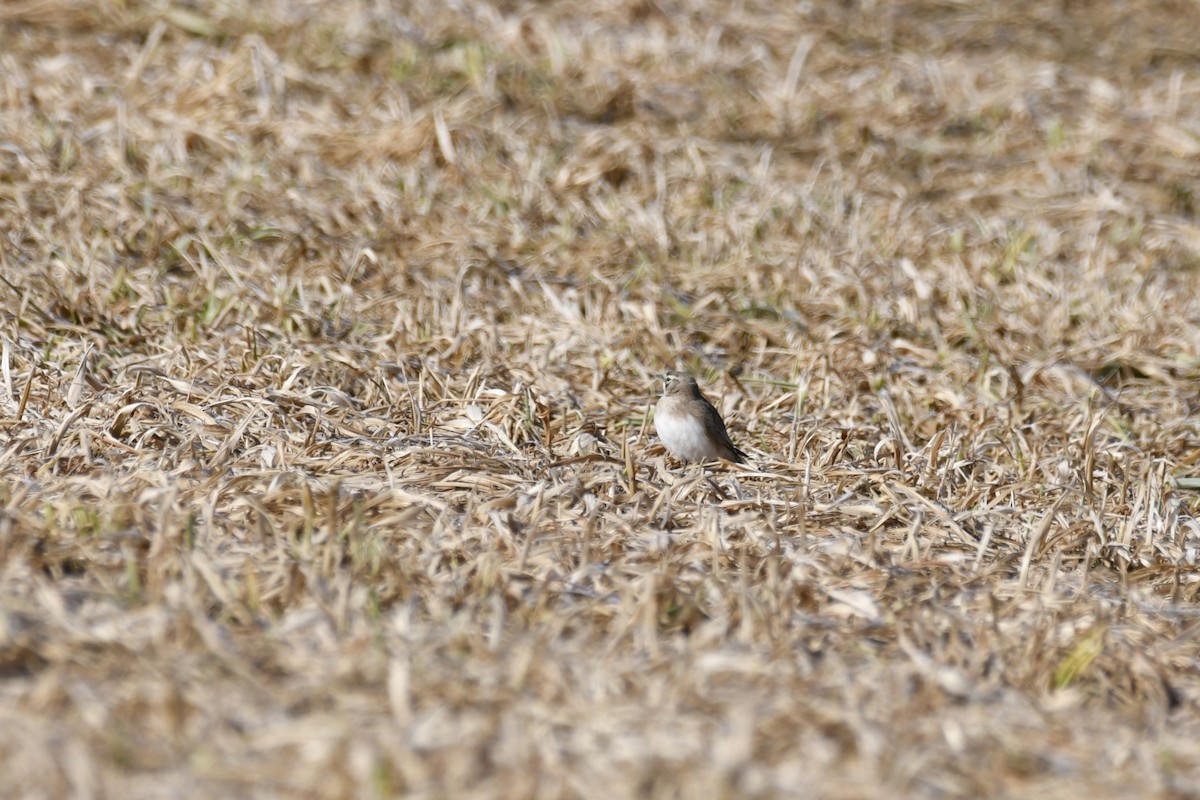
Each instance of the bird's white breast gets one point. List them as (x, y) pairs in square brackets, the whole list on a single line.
[(684, 436)]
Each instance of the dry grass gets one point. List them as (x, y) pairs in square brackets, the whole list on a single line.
[(328, 333)]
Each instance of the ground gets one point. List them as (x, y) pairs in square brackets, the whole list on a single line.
[(329, 335)]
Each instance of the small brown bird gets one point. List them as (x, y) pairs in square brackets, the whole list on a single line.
[(688, 424)]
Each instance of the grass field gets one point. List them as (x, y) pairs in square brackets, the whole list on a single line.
[(328, 344)]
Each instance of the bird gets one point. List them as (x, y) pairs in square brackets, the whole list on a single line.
[(689, 426)]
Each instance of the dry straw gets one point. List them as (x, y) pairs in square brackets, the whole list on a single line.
[(328, 333)]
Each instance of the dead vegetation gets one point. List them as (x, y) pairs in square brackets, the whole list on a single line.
[(328, 341)]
